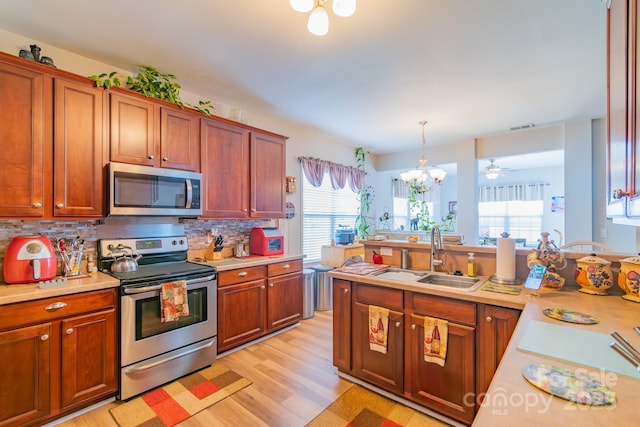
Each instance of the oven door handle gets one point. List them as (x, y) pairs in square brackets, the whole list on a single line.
[(130, 291), (136, 369)]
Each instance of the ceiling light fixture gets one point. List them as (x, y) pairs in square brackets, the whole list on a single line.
[(318, 23), (422, 178), (492, 171)]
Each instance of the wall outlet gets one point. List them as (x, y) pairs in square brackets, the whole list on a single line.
[(386, 251)]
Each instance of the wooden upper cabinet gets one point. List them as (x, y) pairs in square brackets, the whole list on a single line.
[(179, 140), (145, 133), (267, 176), (225, 169), (78, 150), (25, 140), (132, 130)]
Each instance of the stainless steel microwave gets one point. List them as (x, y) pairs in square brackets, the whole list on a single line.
[(147, 191)]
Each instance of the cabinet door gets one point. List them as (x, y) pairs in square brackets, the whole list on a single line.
[(132, 130), (78, 150), (267, 176), (342, 324), (495, 327), (633, 204), (447, 389), (179, 140), (242, 313), (383, 370), (225, 170), (25, 373), (284, 299), (89, 357), (25, 141)]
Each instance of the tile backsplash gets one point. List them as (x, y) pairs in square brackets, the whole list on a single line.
[(196, 230)]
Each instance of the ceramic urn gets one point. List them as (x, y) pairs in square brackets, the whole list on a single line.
[(629, 277), (593, 274)]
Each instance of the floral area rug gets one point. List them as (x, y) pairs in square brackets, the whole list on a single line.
[(175, 402), (359, 407)]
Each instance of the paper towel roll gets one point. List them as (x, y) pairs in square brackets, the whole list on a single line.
[(506, 259)]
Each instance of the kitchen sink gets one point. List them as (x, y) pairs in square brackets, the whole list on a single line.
[(464, 283)]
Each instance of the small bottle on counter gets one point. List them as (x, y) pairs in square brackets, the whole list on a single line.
[(471, 265)]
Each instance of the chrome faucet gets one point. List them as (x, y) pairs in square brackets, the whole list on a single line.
[(436, 245)]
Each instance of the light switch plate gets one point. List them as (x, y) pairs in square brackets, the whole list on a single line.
[(386, 251)]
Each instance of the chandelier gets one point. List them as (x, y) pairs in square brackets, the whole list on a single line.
[(318, 23), (421, 178)]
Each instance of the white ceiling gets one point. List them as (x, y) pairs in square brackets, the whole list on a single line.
[(470, 67)]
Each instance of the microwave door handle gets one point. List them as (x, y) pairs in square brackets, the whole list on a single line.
[(189, 193)]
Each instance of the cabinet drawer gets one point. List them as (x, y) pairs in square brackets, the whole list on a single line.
[(240, 275), (284, 267), (43, 310), (375, 295), (443, 308)]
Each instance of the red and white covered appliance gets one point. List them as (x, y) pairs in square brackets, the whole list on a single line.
[(29, 259), (266, 241)]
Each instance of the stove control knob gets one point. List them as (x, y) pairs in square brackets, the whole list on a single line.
[(181, 242), (173, 242)]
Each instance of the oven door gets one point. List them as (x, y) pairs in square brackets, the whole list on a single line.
[(144, 335)]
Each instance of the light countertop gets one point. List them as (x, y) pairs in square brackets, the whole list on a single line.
[(513, 400)]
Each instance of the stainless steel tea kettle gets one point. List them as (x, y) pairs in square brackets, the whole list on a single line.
[(126, 262)]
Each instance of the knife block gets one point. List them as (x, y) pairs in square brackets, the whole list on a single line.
[(211, 254)]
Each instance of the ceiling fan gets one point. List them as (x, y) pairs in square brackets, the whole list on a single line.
[(493, 171)]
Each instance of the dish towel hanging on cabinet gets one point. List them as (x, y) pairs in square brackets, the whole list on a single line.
[(174, 301), (378, 328), (436, 332)]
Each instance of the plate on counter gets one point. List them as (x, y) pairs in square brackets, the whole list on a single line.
[(574, 386), (570, 316)]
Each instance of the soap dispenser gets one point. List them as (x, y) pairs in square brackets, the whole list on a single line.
[(471, 265)]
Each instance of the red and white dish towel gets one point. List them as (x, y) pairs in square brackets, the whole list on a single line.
[(378, 328), (436, 332), (174, 301)]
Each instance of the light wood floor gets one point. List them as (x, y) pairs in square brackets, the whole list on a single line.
[(293, 381)]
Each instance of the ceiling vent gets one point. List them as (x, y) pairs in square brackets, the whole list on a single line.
[(527, 126)]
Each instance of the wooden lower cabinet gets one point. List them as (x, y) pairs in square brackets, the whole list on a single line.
[(256, 301), (57, 355), (478, 335), (386, 370)]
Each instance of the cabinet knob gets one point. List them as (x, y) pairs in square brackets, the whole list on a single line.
[(413, 327), (397, 324), (286, 266), (245, 209), (619, 194), (44, 337), (37, 205), (271, 285), (166, 159), (59, 205), (489, 319), (242, 273), (69, 331), (55, 306), (151, 157), (262, 287), (346, 290)]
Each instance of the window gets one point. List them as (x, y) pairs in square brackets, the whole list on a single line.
[(323, 210), (522, 219), (403, 211)]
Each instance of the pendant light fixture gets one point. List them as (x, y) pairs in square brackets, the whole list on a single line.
[(422, 178), (318, 23)]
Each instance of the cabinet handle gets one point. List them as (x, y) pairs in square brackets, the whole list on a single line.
[(413, 327), (37, 205), (44, 337), (55, 306), (166, 159), (151, 157), (242, 273), (69, 331), (253, 209), (619, 194), (271, 285), (489, 319), (262, 287), (286, 266), (397, 324), (346, 290), (59, 206)]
